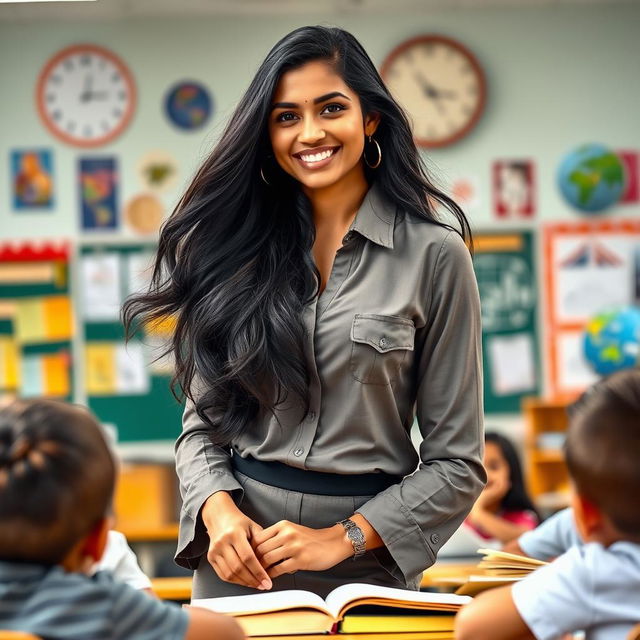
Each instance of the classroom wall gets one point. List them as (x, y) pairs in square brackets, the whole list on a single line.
[(558, 76)]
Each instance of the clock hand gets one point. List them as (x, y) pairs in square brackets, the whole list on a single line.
[(86, 94), (429, 90)]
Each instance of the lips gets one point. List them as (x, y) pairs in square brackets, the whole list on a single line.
[(316, 157)]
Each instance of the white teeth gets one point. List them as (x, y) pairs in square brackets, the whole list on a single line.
[(316, 157)]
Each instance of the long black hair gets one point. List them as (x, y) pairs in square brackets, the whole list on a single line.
[(517, 498), (234, 262)]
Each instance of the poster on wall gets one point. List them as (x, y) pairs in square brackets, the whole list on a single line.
[(32, 179), (513, 189), (590, 267), (505, 270), (98, 185)]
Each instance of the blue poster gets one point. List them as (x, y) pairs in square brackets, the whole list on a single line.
[(98, 185), (32, 172)]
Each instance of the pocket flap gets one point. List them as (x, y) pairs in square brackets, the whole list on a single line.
[(383, 333)]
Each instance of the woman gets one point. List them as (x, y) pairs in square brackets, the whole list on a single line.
[(320, 303)]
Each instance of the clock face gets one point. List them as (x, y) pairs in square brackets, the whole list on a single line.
[(440, 84), (85, 95)]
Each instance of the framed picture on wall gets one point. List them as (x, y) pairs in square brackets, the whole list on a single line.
[(32, 179), (514, 188)]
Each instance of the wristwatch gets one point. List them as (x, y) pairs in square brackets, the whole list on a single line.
[(356, 536)]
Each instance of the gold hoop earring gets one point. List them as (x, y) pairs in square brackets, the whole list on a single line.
[(364, 155), (263, 178)]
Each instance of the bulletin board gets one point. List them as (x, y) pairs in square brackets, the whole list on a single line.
[(36, 320), (505, 269), (126, 386), (590, 267)]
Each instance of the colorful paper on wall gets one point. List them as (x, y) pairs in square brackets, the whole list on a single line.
[(115, 369), (45, 375), (100, 286), (9, 377), (46, 319), (100, 369), (98, 182), (512, 363)]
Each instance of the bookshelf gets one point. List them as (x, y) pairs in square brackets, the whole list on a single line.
[(547, 476)]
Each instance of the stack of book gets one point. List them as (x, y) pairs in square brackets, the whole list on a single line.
[(365, 609), (496, 569)]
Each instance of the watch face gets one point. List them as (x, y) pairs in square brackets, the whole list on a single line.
[(86, 95), (440, 84)]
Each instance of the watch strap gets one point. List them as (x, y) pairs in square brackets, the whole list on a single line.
[(356, 537)]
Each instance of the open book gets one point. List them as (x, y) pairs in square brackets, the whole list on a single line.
[(496, 569), (299, 612)]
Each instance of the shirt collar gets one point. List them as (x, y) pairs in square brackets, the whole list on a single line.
[(375, 219)]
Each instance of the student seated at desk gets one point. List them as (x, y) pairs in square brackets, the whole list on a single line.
[(504, 509), (121, 561), (56, 484), (593, 587), (549, 540)]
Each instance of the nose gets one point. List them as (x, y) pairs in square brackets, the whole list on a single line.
[(311, 132)]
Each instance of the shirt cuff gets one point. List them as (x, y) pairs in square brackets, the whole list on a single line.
[(410, 550), (193, 540)]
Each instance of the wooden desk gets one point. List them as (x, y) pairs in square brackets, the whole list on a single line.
[(360, 636), (172, 588)]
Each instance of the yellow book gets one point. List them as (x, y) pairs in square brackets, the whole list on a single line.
[(397, 623), (300, 612)]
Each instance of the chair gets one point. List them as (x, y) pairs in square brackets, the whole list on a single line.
[(634, 634), (17, 635)]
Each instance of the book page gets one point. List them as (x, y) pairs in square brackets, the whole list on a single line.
[(263, 602), (348, 595), (491, 555)]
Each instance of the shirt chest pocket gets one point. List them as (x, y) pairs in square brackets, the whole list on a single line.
[(379, 345)]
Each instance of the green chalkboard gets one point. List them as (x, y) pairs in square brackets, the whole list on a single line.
[(505, 268), (154, 414)]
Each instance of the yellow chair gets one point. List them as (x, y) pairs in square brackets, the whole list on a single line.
[(17, 635), (634, 634)]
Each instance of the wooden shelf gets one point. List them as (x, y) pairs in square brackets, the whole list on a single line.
[(161, 533), (546, 469)]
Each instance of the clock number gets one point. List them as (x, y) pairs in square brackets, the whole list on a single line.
[(51, 97), (85, 60), (87, 132), (56, 79), (116, 113), (68, 64), (71, 126), (115, 77), (122, 95), (57, 114), (105, 126)]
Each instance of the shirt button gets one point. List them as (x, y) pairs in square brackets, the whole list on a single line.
[(311, 416), (435, 538), (382, 342), (298, 452)]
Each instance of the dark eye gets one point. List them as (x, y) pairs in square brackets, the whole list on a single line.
[(286, 116), (334, 107)]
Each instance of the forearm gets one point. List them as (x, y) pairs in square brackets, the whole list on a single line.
[(495, 526)]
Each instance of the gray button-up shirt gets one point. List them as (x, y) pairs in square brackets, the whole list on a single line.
[(395, 334)]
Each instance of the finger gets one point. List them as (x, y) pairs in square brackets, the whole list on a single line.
[(261, 536), (267, 546), (252, 565), (238, 571), (273, 557), (286, 566)]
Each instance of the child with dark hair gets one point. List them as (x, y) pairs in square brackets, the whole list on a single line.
[(504, 509), (594, 587), (56, 484)]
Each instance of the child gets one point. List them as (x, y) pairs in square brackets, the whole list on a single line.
[(503, 510), (594, 587), (552, 538), (56, 484)]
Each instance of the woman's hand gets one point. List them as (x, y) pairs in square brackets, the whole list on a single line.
[(230, 543), (286, 547)]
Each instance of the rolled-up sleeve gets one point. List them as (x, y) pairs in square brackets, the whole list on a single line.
[(417, 516), (203, 469)]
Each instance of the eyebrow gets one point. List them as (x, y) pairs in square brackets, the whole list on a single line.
[(318, 100)]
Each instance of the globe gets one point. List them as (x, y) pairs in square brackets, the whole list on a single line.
[(612, 340), (591, 177), (188, 105)]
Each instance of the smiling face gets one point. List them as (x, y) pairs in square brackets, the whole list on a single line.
[(497, 467), (317, 128)]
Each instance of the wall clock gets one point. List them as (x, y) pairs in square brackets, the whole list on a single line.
[(86, 95), (440, 84)]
